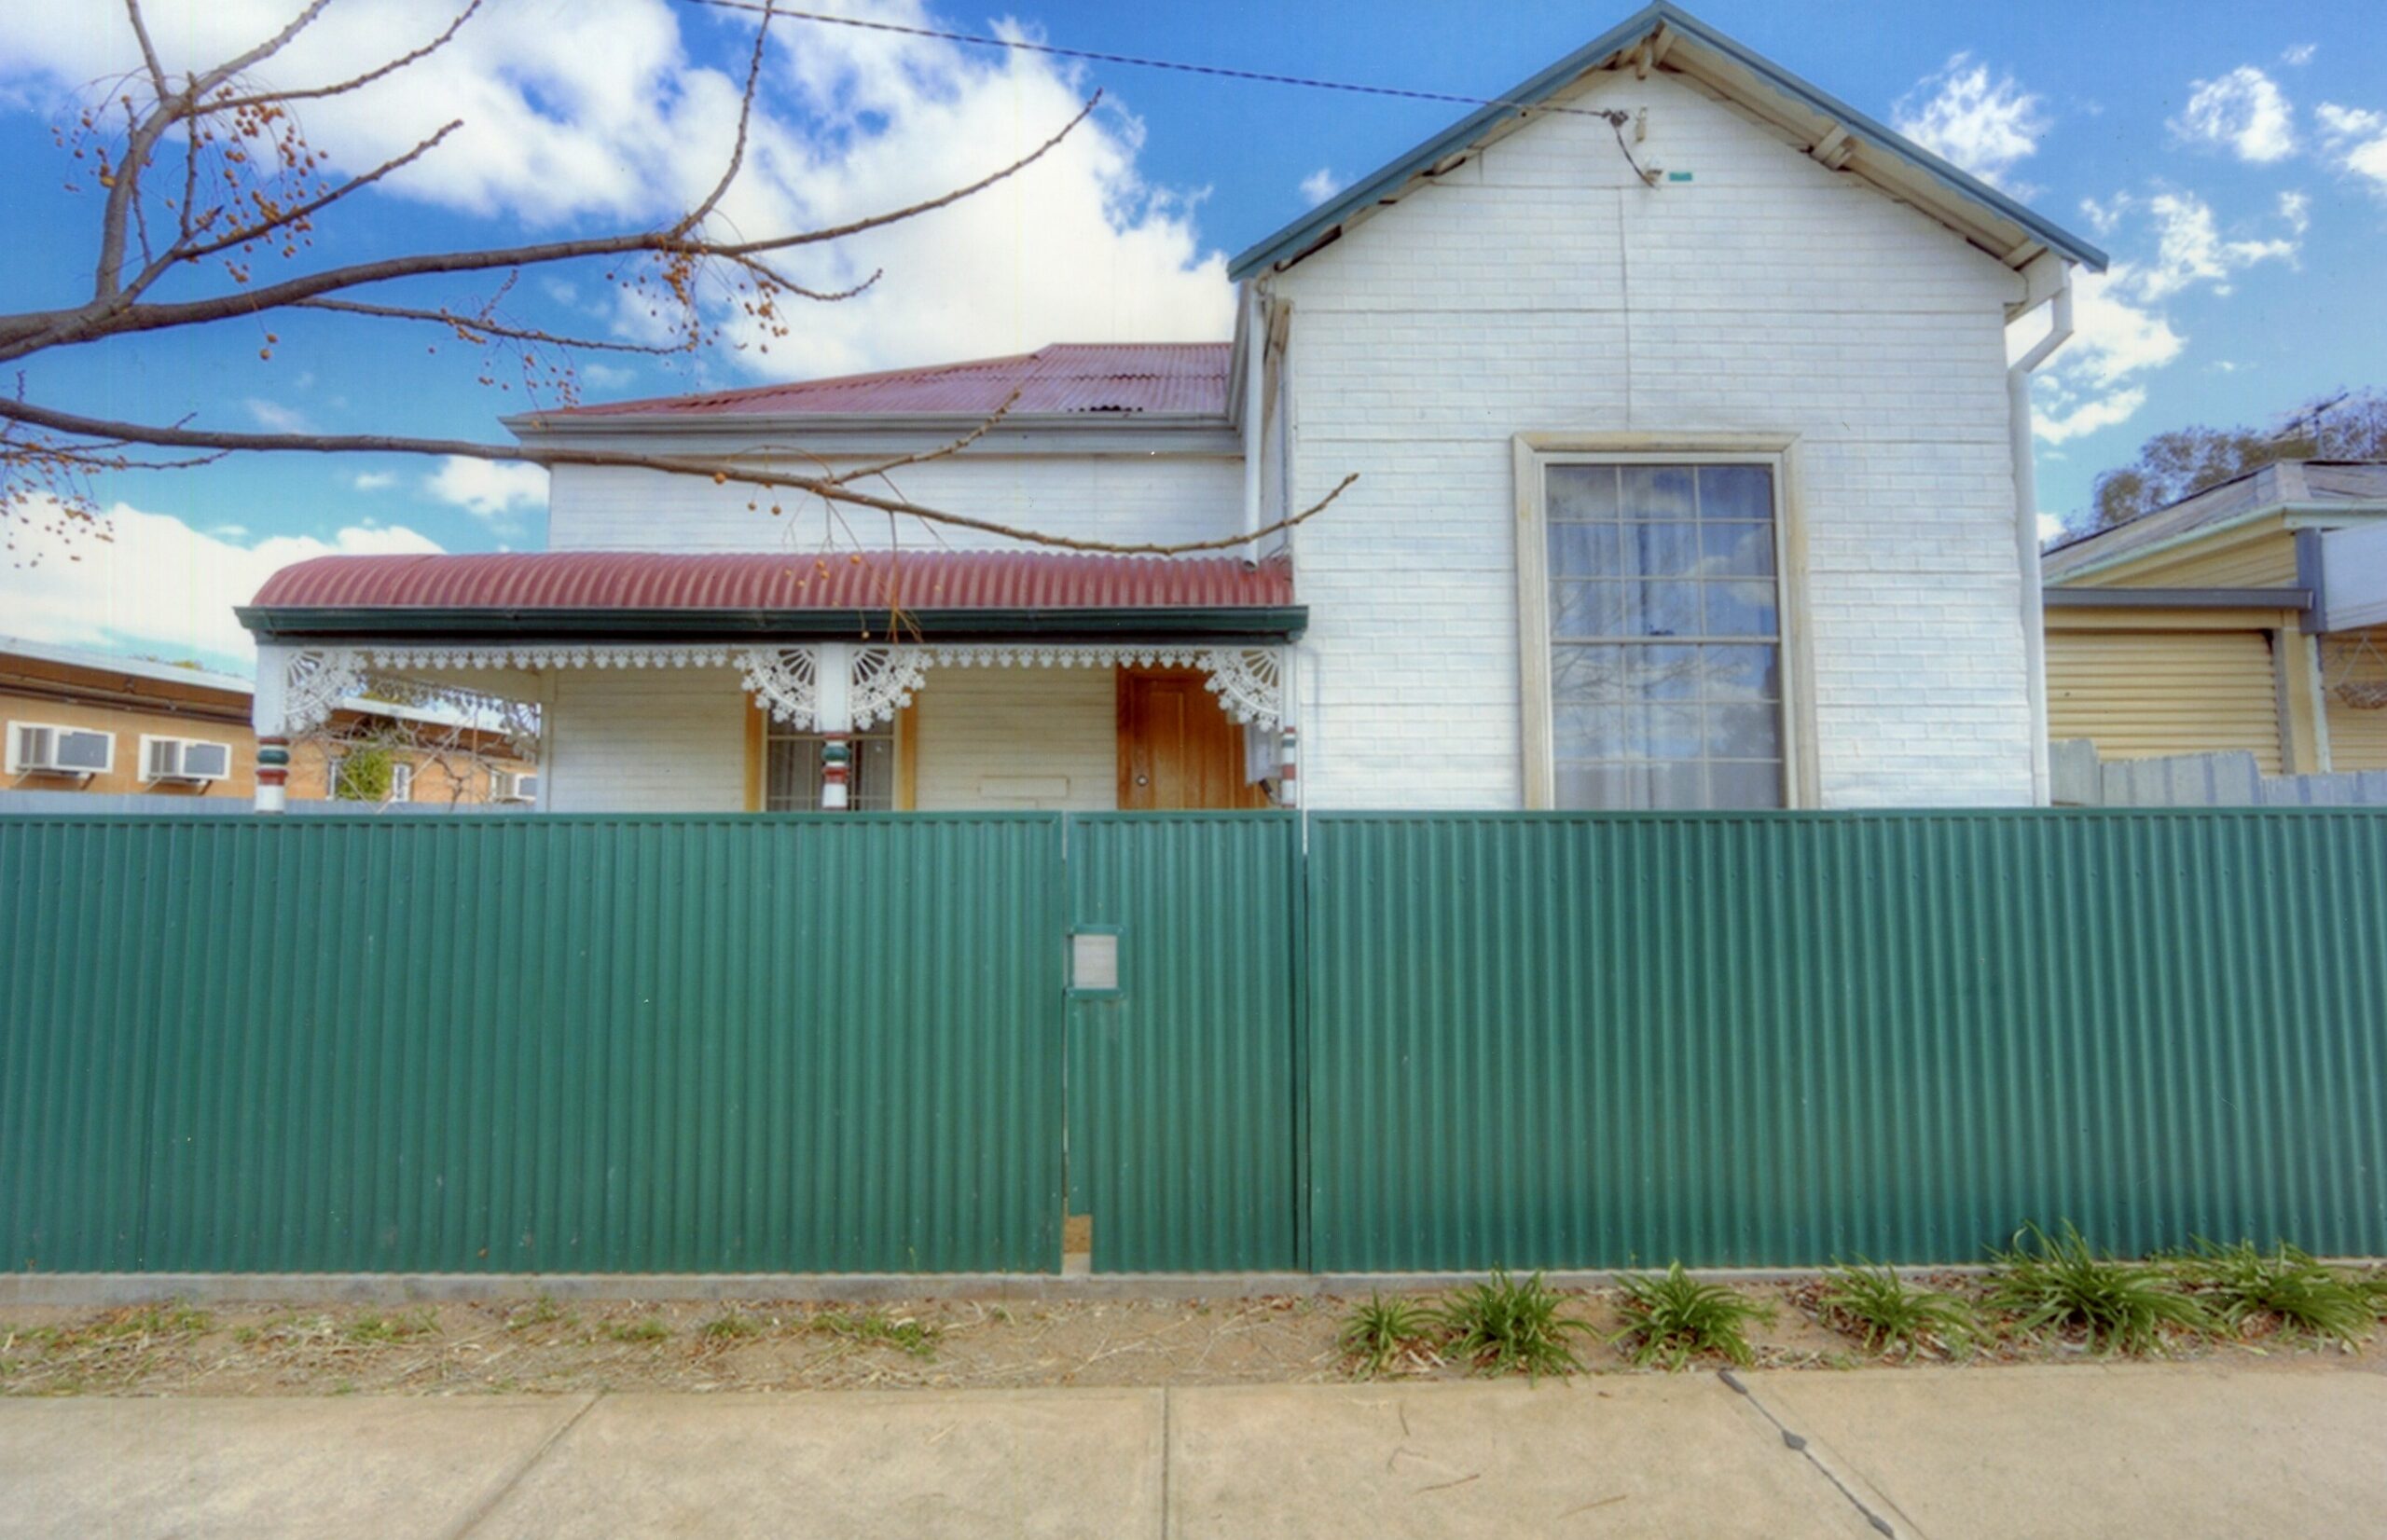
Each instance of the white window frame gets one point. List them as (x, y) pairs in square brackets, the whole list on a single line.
[(9, 763), (401, 782), (1532, 454), (149, 738)]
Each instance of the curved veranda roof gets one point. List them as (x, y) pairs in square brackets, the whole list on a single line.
[(647, 594)]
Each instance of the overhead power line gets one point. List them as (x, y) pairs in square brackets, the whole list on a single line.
[(1138, 62)]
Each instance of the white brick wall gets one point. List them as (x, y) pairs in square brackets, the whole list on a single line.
[(1117, 498), (645, 740), (1542, 288), (1018, 738)]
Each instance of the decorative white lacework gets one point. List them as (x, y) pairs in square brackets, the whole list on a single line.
[(314, 683), (1250, 683), (885, 679), (785, 681), (556, 655)]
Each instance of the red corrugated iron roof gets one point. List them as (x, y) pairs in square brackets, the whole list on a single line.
[(1095, 379), (750, 581)]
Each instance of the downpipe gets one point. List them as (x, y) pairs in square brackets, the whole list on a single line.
[(2026, 530)]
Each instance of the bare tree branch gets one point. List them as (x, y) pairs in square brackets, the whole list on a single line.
[(315, 93), (745, 118), (252, 189), (720, 472), (31, 332), (484, 324), (277, 219)]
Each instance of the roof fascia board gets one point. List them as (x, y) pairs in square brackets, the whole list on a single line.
[(1296, 238), (1222, 624), (2329, 516), (2292, 516), (2178, 598)]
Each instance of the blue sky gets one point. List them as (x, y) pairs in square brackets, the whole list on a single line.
[(2232, 158)]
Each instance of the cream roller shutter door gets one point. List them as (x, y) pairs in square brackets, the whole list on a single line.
[(2143, 693)]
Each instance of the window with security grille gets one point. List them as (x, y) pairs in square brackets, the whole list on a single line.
[(792, 771)]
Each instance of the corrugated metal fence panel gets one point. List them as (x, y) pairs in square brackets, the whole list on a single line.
[(1560, 1040), (1181, 1086), (794, 1043)]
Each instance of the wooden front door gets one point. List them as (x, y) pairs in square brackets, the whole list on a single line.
[(1177, 749)]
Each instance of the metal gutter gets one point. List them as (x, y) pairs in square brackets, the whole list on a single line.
[(1295, 239), (1252, 625), (2179, 599)]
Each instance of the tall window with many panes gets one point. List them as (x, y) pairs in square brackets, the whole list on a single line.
[(1665, 636)]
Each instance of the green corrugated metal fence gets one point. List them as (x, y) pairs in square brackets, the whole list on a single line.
[(842, 1042), (1181, 1094), (799, 1043), (1591, 1041)]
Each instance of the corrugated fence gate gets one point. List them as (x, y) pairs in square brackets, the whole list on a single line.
[(1237, 1041)]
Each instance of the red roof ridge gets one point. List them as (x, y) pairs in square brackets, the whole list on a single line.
[(941, 390)]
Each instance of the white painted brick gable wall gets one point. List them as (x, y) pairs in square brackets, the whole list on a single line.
[(1540, 287)]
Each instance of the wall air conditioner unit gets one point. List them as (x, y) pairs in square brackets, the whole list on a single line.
[(518, 786), (189, 761), (37, 749)]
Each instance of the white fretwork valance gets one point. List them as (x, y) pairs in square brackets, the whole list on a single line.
[(784, 681)]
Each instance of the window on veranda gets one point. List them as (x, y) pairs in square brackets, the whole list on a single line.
[(791, 772)]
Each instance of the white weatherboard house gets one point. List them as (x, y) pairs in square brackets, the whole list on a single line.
[(1692, 472)]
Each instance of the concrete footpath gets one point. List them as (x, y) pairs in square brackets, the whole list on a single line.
[(2177, 1451)]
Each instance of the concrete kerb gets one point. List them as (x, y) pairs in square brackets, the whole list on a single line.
[(108, 1290)]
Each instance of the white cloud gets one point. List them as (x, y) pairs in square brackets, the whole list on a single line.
[(2356, 137), (2243, 111), (374, 481), (1321, 185), (488, 490), (2298, 53), (2121, 331), (1988, 126), (2106, 217), (159, 585), (274, 416), (1079, 247), (2056, 419), (2190, 249)]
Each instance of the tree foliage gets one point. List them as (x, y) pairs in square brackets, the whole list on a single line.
[(2183, 462)]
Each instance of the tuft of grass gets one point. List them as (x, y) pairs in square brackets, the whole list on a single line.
[(2286, 1286), (728, 1327), (541, 1311), (1672, 1318), (646, 1328), (2059, 1282), (917, 1338), (1375, 1335), (1504, 1326), (172, 1319), (1873, 1303), (392, 1329)]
